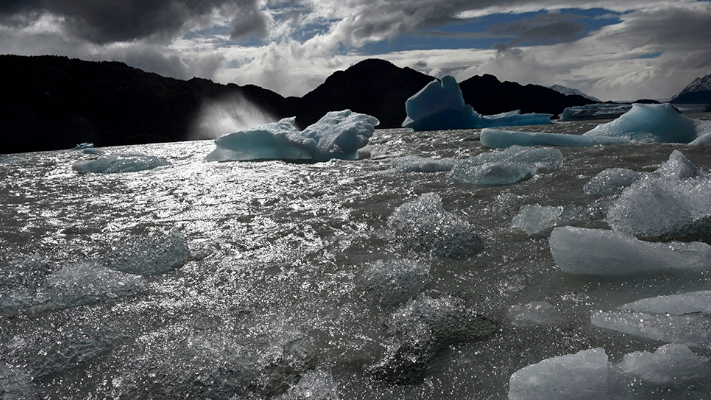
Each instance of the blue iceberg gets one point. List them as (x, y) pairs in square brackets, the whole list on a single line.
[(655, 123), (338, 134), (440, 106), (496, 138)]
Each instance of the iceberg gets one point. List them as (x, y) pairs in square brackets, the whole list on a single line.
[(679, 318), (423, 225), (656, 123), (506, 167), (594, 111), (534, 314), (440, 106), (118, 163), (338, 134), (583, 251), (497, 138), (669, 365), (586, 375)]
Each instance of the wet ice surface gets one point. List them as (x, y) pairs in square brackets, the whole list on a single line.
[(295, 281)]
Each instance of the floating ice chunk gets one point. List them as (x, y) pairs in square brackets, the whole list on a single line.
[(440, 105), (82, 146), (423, 327), (611, 181), (534, 219), (338, 134), (594, 111), (393, 282), (671, 364), (658, 123), (120, 162), (535, 313), (496, 138), (682, 319), (514, 118), (583, 251), (676, 304), (274, 141), (148, 255), (92, 150), (423, 225), (492, 174), (678, 167), (664, 208), (586, 375), (506, 167), (702, 140), (422, 164), (14, 160)]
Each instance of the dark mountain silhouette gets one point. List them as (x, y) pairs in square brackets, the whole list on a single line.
[(697, 92), (373, 87), (487, 95), (52, 102)]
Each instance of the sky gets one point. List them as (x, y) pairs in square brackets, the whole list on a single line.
[(613, 50)]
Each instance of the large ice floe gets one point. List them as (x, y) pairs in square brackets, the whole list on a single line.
[(120, 162), (583, 251), (423, 225), (679, 318), (497, 138), (338, 134), (656, 123), (440, 106), (506, 167), (651, 123)]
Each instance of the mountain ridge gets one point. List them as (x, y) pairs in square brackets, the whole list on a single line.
[(54, 102)]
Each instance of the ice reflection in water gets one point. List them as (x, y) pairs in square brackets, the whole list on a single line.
[(276, 297)]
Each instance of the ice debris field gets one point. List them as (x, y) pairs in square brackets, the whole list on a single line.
[(656, 222)]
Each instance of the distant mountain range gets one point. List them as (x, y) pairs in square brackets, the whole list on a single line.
[(52, 102), (697, 92), (571, 91)]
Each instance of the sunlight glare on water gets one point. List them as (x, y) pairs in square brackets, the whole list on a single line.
[(278, 296)]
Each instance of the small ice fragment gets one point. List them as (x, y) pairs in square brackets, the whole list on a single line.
[(535, 313), (611, 181), (671, 364), (534, 218)]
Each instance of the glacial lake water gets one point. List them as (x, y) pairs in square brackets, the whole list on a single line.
[(279, 296)]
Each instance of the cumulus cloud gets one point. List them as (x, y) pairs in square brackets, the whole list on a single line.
[(645, 48)]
